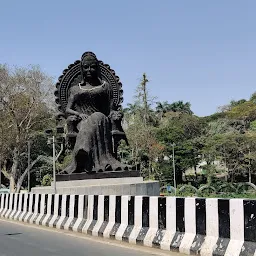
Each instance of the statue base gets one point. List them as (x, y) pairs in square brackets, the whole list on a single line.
[(133, 186), (100, 175)]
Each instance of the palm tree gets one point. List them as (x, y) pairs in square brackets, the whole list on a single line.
[(131, 109), (180, 106), (162, 108)]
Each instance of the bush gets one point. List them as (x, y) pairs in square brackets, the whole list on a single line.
[(47, 179), (223, 190)]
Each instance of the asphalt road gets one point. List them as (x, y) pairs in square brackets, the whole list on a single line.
[(23, 240)]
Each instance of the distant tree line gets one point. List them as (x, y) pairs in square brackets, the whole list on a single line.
[(227, 136)]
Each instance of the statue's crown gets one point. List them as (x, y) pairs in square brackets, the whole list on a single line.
[(89, 54)]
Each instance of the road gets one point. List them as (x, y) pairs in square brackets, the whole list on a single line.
[(20, 239)]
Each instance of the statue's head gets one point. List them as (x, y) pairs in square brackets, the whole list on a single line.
[(89, 66)]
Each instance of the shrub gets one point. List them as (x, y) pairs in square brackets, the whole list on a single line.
[(47, 179)]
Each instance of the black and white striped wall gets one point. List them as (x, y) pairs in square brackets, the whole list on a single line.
[(195, 226)]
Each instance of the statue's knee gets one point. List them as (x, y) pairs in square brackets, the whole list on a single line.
[(72, 124), (98, 116)]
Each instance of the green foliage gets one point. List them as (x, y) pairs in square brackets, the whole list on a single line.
[(244, 111), (219, 126), (234, 103), (185, 132), (47, 179), (179, 106), (227, 137), (253, 97), (214, 117), (64, 163), (215, 190), (26, 96), (253, 125)]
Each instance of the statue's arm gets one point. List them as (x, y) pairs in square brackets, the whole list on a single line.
[(70, 104), (113, 113), (116, 117)]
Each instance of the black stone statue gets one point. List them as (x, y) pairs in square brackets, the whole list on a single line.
[(89, 97)]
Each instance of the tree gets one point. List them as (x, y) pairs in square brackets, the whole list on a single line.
[(222, 137), (143, 96), (162, 108), (144, 101), (253, 97), (143, 144), (183, 131), (25, 109), (234, 103), (130, 112), (245, 111), (180, 106), (235, 150)]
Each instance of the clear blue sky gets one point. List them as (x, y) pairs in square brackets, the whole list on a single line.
[(199, 51)]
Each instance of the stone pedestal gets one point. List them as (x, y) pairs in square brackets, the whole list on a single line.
[(108, 186)]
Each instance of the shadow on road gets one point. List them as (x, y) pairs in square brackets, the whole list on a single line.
[(11, 234)]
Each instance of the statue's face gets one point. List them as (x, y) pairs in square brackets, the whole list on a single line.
[(90, 67)]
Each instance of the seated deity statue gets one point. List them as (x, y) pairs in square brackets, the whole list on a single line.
[(89, 96)]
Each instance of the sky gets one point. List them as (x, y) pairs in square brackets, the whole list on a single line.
[(203, 52)]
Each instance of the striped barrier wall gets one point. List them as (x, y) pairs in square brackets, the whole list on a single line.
[(36, 208), (41, 209), (54, 212), (31, 207), (25, 208), (49, 204), (195, 226), (3, 202), (10, 207), (81, 214), (20, 201), (92, 214), (14, 208), (43, 212), (7, 202)]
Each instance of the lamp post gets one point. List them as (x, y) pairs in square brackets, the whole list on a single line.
[(0, 177), (29, 165), (54, 164), (173, 165), (1, 162), (52, 140)]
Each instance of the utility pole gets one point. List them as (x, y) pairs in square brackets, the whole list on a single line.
[(0, 172), (29, 145), (52, 140), (250, 176), (54, 164), (173, 165)]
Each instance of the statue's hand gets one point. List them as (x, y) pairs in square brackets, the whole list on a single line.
[(73, 118), (116, 115), (83, 116)]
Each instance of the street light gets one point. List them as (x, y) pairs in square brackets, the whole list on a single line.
[(167, 158), (0, 177), (173, 164), (29, 146), (52, 140)]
